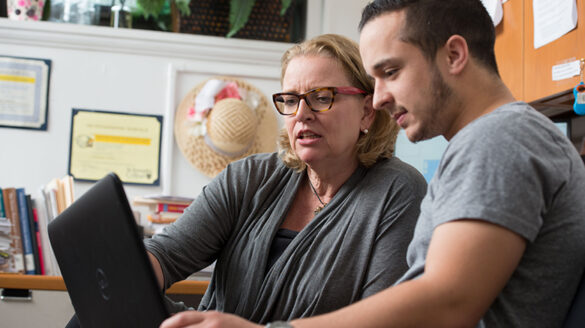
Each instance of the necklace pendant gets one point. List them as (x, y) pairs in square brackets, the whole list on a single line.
[(317, 209)]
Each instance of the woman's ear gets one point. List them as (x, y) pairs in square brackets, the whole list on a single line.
[(369, 113)]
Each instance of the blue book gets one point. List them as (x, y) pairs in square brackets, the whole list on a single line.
[(2, 212), (27, 242)]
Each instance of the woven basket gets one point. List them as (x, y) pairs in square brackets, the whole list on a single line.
[(211, 17)]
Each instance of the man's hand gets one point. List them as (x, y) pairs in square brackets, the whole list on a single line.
[(209, 319)]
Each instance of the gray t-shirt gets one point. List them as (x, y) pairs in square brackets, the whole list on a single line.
[(355, 247), (514, 168)]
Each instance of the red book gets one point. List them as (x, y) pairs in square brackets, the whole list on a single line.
[(40, 246), (177, 208)]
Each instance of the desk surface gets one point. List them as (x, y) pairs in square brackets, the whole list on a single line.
[(21, 281)]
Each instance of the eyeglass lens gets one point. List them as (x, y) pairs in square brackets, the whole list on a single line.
[(317, 100)]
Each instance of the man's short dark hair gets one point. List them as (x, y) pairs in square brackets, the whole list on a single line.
[(430, 23)]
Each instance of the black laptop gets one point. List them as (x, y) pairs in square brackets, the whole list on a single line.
[(103, 260)]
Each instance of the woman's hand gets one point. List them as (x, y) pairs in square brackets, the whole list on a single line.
[(209, 319)]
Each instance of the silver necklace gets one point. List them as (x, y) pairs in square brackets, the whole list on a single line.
[(318, 208)]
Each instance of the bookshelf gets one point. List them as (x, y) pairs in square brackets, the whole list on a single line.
[(36, 282)]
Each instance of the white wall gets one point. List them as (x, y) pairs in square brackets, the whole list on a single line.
[(136, 71), (343, 17)]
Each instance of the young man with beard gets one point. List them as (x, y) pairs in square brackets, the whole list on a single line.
[(500, 241)]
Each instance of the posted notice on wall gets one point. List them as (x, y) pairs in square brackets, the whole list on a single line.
[(127, 144), (553, 19)]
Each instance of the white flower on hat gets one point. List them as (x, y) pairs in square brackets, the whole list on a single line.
[(206, 98), (251, 98)]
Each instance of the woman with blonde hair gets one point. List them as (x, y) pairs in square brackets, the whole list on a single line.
[(320, 225)]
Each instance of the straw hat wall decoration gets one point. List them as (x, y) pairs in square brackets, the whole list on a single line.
[(221, 120)]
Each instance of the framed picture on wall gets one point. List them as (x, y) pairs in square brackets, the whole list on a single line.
[(24, 92), (125, 143)]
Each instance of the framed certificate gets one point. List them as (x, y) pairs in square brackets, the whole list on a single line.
[(124, 143), (24, 92)]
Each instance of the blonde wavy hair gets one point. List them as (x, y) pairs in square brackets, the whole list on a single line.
[(379, 142)]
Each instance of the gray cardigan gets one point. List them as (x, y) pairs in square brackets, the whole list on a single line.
[(353, 248)]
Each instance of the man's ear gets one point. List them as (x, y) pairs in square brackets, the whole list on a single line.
[(456, 54), (369, 113)]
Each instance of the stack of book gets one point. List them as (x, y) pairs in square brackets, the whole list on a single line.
[(162, 210), (24, 240)]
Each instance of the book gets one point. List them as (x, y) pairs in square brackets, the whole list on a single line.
[(42, 204), (68, 194), (14, 254), (61, 204), (166, 207), (62, 192), (163, 217), (4, 236), (57, 199), (160, 204), (2, 212), (39, 242), (27, 239), (165, 199), (34, 231), (51, 191)]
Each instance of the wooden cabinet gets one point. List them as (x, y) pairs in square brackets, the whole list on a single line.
[(45, 308), (528, 71)]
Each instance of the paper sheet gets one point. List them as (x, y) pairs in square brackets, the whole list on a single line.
[(494, 8), (553, 19), (566, 70)]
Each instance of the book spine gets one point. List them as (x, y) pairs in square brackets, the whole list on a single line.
[(43, 206), (52, 207), (34, 232), (16, 255), (53, 201), (176, 208), (2, 211), (29, 259), (40, 246)]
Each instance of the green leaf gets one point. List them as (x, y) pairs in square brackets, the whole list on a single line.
[(183, 6), (285, 5), (239, 13), (46, 10), (151, 7)]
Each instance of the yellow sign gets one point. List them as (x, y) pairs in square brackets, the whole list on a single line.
[(127, 144)]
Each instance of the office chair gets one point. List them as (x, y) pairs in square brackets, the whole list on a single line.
[(576, 316)]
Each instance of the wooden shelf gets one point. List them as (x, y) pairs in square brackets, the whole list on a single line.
[(557, 105), (20, 281)]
